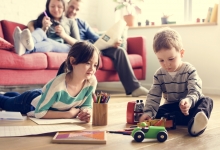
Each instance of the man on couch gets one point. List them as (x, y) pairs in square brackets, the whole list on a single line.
[(116, 54)]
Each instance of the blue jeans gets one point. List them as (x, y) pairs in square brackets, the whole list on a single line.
[(13, 101), (44, 44)]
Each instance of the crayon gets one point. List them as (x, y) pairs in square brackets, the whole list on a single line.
[(121, 132), (45, 14)]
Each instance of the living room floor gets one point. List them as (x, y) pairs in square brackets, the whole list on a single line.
[(180, 138)]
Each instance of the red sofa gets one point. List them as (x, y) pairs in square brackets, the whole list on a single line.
[(39, 68)]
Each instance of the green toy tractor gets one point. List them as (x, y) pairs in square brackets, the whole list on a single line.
[(151, 132)]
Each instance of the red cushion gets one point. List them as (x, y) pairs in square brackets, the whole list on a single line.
[(5, 44), (1, 32), (10, 60), (8, 29), (26, 77), (135, 60), (55, 59)]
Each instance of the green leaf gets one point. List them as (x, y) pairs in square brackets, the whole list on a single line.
[(119, 7)]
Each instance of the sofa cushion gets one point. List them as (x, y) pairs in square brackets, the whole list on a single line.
[(34, 61), (1, 32), (8, 29), (5, 44), (135, 60), (55, 59)]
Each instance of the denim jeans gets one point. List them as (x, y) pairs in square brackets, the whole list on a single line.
[(44, 44), (204, 104), (19, 102)]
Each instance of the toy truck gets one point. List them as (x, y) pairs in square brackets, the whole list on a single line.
[(168, 121), (134, 112)]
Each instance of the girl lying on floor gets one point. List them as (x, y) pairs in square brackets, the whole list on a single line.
[(68, 95)]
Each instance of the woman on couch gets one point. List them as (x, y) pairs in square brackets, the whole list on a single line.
[(53, 32), (69, 95)]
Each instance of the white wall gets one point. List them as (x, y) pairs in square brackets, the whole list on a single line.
[(22, 11), (202, 45)]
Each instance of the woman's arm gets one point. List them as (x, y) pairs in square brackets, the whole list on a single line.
[(67, 38)]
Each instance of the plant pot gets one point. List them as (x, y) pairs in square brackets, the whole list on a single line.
[(130, 20), (147, 22), (164, 20)]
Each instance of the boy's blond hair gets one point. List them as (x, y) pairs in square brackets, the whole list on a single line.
[(167, 38)]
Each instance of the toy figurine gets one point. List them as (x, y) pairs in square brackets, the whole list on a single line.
[(151, 132)]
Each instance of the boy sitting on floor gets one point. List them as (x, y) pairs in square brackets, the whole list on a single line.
[(181, 85)]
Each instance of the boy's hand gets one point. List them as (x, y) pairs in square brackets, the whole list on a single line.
[(185, 106), (144, 117), (84, 115)]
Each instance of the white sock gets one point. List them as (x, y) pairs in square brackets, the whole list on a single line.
[(27, 39), (200, 122), (140, 91), (19, 47)]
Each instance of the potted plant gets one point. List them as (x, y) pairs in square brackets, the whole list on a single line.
[(164, 18), (131, 9)]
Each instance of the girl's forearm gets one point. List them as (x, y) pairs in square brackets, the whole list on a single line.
[(60, 114)]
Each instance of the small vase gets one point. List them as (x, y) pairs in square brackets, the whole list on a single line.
[(147, 22), (130, 20), (164, 20)]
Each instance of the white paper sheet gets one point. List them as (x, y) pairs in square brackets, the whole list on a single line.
[(11, 115), (55, 121), (7, 131)]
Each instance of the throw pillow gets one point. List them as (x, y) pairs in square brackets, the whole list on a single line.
[(5, 44), (108, 39), (123, 37)]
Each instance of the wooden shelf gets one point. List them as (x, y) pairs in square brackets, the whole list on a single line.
[(175, 25)]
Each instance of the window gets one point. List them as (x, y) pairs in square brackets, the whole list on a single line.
[(180, 11)]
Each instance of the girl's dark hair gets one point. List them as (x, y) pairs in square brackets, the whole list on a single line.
[(82, 52), (38, 21)]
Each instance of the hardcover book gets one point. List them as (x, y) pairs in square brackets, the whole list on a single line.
[(80, 137)]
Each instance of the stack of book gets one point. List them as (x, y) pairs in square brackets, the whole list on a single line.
[(212, 14)]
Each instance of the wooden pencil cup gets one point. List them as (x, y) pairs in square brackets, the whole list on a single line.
[(100, 114)]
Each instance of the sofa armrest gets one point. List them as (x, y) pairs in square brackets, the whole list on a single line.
[(8, 29), (137, 45)]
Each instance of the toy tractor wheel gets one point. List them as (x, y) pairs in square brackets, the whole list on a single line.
[(162, 136), (139, 136)]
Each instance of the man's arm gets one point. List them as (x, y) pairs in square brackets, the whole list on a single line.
[(86, 31), (91, 34)]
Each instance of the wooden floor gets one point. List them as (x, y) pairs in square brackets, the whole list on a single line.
[(178, 139)]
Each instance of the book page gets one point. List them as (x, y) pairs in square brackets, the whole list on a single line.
[(55, 121), (11, 115), (109, 38), (8, 131)]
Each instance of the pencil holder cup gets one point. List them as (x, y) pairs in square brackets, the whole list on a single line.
[(100, 114)]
